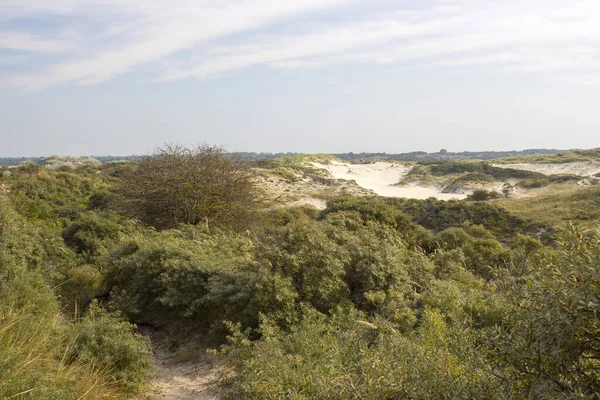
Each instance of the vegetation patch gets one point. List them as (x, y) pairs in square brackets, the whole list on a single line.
[(370, 298)]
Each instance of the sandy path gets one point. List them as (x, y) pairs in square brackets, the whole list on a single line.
[(184, 380), (381, 177), (575, 168), (182, 375)]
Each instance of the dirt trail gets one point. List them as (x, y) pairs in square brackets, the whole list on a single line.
[(182, 374)]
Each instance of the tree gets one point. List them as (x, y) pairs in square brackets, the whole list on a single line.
[(189, 185)]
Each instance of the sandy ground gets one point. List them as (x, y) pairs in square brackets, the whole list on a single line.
[(305, 191), (381, 177), (316, 203), (178, 378), (575, 168)]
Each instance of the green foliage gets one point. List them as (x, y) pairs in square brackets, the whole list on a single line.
[(476, 249), (382, 211), (304, 253), (483, 195), (107, 340), (371, 298), (50, 196), (581, 206), (34, 337), (475, 177), (285, 172), (542, 343), (32, 363), (477, 169), (550, 341), (347, 358), (439, 215), (533, 183), (166, 276), (341, 260), (92, 234), (294, 168), (344, 260)]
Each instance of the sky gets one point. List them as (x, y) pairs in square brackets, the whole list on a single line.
[(119, 77)]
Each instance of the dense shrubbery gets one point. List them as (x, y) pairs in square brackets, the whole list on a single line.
[(540, 344), (35, 338), (169, 276), (438, 215), (108, 341), (51, 196), (549, 342), (371, 298)]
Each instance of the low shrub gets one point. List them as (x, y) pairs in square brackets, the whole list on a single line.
[(483, 195), (108, 341)]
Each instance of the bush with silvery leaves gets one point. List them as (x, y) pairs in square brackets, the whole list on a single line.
[(55, 163)]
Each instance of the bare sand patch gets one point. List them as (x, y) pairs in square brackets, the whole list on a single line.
[(575, 168), (382, 177), (319, 204), (191, 374)]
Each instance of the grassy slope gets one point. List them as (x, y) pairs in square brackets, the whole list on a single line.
[(559, 158), (578, 205)]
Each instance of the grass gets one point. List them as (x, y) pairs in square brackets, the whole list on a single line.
[(558, 158), (34, 364), (578, 205), (468, 174)]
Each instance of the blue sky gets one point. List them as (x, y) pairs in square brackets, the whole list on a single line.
[(124, 76)]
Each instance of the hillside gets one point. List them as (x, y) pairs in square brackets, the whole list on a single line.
[(316, 278)]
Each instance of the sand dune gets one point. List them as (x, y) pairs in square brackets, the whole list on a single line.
[(575, 168), (381, 177)]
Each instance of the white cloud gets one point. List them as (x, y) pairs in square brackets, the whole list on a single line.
[(182, 39), (27, 42)]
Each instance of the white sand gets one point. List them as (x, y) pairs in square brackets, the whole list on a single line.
[(575, 168), (380, 178), (319, 204)]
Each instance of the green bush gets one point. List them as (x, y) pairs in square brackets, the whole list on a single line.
[(92, 234), (53, 195), (438, 215), (483, 195), (108, 341), (348, 358), (549, 342), (164, 277), (34, 336)]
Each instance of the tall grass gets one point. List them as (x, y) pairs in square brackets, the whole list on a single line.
[(581, 206), (33, 362), (41, 352)]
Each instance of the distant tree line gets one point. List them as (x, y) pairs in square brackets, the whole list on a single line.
[(443, 154), (12, 161), (352, 157)]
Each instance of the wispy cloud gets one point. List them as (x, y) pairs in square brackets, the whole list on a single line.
[(182, 39)]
